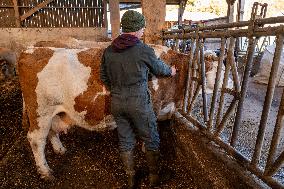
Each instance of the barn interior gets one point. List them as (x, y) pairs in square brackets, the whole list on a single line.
[(225, 138)]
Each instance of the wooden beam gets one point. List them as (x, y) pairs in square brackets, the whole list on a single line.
[(17, 15), (114, 18), (33, 10)]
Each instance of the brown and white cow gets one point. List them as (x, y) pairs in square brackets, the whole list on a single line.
[(61, 88)]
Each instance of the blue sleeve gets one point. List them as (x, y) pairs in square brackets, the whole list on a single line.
[(156, 66), (103, 73)]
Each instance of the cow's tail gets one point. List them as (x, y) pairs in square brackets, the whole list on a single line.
[(25, 117)]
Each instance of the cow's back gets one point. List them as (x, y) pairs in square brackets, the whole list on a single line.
[(53, 77)]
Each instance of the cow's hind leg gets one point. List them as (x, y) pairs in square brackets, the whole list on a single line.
[(58, 125), (37, 138), (56, 143)]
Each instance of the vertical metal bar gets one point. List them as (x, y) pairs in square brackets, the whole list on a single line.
[(276, 165), (192, 48), (232, 62), (221, 102), (275, 137), (245, 81), (198, 87), (195, 59), (226, 116), (216, 85), (203, 82), (268, 99)]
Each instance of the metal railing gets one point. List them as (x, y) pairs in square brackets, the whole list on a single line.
[(213, 120)]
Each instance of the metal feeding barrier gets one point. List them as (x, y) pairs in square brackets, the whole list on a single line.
[(213, 120)]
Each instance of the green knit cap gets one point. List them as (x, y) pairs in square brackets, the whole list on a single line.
[(132, 21)]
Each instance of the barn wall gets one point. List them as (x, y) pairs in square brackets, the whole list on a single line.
[(58, 13), (19, 38)]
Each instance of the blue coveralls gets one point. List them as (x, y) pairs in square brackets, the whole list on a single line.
[(125, 74)]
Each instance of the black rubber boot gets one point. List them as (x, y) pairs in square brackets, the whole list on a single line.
[(128, 162), (152, 160)]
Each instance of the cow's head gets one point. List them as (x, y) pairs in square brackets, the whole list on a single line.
[(7, 63), (7, 71), (210, 58)]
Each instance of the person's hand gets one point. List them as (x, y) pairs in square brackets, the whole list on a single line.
[(174, 71)]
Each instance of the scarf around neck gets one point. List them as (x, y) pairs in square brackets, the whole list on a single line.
[(124, 41)]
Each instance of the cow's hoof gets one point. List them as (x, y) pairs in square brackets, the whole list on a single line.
[(47, 177), (60, 151)]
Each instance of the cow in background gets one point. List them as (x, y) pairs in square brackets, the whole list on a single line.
[(61, 88), (8, 61), (211, 65)]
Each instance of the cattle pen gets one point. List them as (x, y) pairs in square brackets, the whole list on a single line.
[(216, 123), (231, 137)]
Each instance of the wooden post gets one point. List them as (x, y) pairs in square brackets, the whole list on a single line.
[(17, 15), (181, 8), (241, 5), (114, 18), (231, 12), (240, 17), (230, 15), (155, 13)]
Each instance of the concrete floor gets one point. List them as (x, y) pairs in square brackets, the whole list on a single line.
[(253, 106)]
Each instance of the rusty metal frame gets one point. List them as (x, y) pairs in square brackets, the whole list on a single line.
[(211, 125)]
